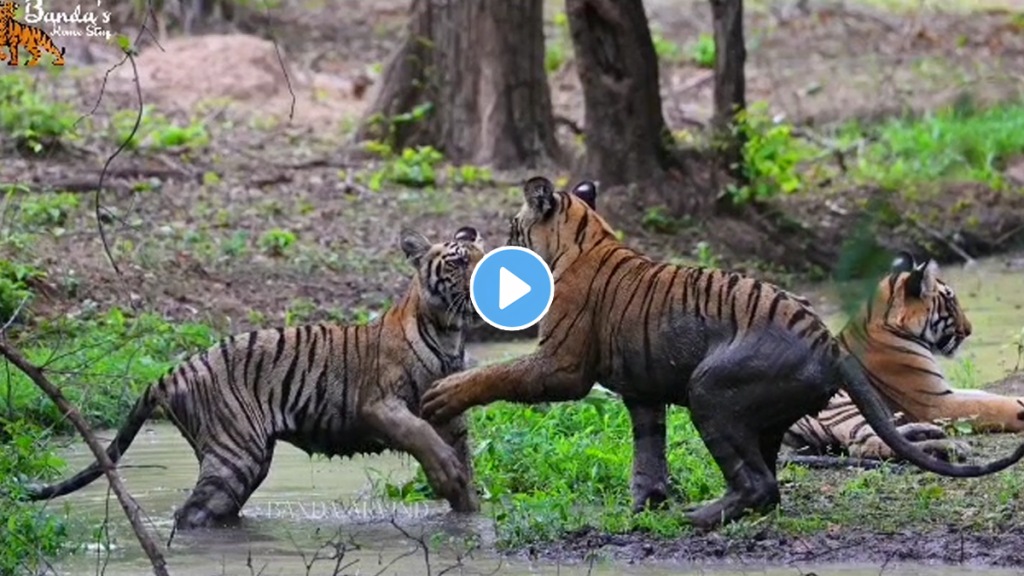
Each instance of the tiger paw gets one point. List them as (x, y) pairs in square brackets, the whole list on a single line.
[(442, 402), (453, 482)]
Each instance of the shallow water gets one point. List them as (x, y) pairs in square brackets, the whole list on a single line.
[(304, 501)]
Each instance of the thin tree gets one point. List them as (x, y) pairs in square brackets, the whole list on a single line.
[(468, 79), (730, 82), (627, 140)]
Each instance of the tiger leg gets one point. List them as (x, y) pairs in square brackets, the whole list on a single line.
[(865, 444), (440, 461), (650, 468), (456, 435), (988, 412), (14, 54), (34, 54), (226, 481)]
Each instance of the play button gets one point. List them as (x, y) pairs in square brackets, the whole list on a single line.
[(512, 288)]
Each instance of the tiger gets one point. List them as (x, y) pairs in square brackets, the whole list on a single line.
[(746, 357), (34, 39), (327, 389), (898, 338)]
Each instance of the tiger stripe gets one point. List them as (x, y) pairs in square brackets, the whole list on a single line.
[(328, 389), (748, 358), (902, 332)]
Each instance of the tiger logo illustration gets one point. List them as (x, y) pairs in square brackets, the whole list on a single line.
[(14, 34)]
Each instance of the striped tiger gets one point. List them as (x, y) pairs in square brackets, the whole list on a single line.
[(913, 316), (333, 390), (14, 34), (746, 357)]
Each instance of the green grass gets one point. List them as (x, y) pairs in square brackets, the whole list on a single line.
[(955, 144)]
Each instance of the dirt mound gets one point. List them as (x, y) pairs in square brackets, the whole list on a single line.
[(243, 71)]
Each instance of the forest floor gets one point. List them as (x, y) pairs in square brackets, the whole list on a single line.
[(227, 212)]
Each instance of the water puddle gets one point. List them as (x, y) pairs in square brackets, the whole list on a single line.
[(307, 502)]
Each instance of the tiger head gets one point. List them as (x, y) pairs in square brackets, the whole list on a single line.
[(8, 10), (557, 223), (443, 272), (920, 305)]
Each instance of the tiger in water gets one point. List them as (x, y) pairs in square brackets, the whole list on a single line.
[(14, 34), (913, 316), (327, 389), (747, 358)]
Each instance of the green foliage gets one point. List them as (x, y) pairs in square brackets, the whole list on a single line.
[(28, 119), (702, 52), (558, 49), (551, 469), (14, 289), (30, 535), (469, 175), (771, 156), (101, 362), (47, 210), (665, 49), (957, 143), (156, 132), (414, 167), (276, 242), (657, 219)]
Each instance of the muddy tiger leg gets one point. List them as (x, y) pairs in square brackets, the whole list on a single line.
[(456, 435), (224, 486), (650, 468), (408, 433)]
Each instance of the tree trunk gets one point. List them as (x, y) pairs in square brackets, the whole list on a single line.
[(730, 82), (626, 137), (469, 79)]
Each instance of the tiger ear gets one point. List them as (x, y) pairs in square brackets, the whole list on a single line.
[(587, 191), (923, 282), (470, 234), (904, 262), (539, 194), (414, 244)]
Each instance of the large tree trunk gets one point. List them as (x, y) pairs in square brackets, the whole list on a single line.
[(730, 82), (626, 137), (474, 72)]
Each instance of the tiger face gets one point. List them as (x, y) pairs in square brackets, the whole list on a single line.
[(923, 307), (547, 215), (444, 271)]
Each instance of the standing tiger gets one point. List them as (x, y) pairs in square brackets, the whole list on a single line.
[(747, 358), (913, 315), (14, 34), (333, 390)]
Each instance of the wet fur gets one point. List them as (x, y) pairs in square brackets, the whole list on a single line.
[(327, 389), (898, 334), (747, 358)]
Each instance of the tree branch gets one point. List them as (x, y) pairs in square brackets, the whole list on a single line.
[(128, 505)]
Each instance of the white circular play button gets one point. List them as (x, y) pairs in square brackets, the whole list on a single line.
[(512, 288)]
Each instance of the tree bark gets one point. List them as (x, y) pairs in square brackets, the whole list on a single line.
[(626, 136), (730, 82), (473, 72)]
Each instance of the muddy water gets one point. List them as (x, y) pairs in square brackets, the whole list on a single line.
[(306, 502)]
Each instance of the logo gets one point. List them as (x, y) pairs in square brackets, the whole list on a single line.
[(512, 288)]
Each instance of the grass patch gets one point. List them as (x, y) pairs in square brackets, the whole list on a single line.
[(955, 144)]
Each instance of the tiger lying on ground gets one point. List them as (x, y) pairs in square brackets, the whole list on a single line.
[(897, 338), (333, 390), (747, 358)]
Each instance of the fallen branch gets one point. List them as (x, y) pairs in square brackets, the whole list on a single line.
[(128, 505)]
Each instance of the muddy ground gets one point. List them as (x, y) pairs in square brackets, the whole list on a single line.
[(184, 225)]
